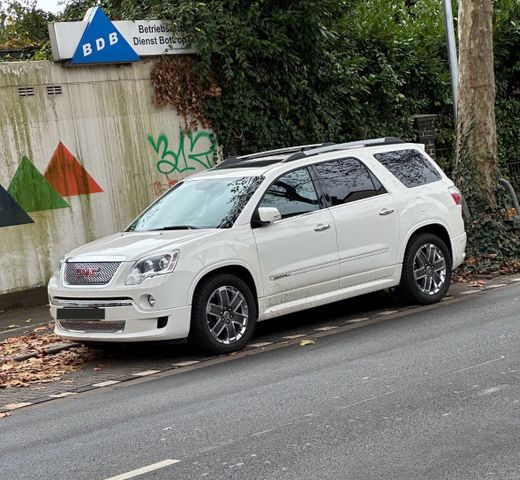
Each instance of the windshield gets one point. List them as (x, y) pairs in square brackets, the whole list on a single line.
[(205, 203)]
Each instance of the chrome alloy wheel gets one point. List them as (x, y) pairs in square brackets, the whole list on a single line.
[(429, 269), (227, 314)]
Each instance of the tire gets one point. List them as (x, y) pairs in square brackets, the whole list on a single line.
[(426, 274), (223, 314)]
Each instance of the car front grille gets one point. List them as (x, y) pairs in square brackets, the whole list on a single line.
[(93, 273), (95, 326)]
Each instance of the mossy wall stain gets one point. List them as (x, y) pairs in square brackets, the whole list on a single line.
[(104, 116)]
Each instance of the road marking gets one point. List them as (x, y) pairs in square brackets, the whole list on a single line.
[(356, 320), (387, 312), (140, 471), (260, 344), (516, 279), (470, 292), (106, 384), (328, 327), (293, 337), (187, 363), (476, 365), (63, 394), (367, 399), (14, 406), (145, 373), (261, 433)]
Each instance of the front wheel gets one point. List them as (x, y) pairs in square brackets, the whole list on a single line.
[(223, 314), (426, 273)]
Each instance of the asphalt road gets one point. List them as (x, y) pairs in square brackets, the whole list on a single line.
[(433, 395)]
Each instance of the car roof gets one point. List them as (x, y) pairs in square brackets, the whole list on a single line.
[(257, 164)]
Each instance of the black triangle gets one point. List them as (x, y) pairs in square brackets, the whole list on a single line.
[(10, 212)]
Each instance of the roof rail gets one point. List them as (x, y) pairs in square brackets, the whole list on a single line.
[(279, 151), (371, 142)]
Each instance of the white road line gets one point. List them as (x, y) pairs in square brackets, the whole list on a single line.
[(106, 383), (260, 344), (145, 373), (470, 292), (387, 312), (475, 366), (14, 406), (292, 337), (324, 329), (356, 320), (187, 363), (140, 471), (63, 394)]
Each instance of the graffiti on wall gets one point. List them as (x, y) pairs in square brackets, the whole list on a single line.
[(194, 150), (30, 191)]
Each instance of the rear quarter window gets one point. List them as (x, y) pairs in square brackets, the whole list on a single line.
[(410, 167)]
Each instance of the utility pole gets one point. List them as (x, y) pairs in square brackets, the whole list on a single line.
[(452, 55)]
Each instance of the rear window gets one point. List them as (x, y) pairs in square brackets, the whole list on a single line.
[(409, 166)]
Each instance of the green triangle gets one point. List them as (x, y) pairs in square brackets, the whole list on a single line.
[(32, 191)]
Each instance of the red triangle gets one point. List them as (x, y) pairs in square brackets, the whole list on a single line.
[(68, 176)]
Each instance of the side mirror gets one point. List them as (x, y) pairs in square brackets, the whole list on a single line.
[(269, 215)]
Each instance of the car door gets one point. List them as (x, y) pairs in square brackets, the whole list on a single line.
[(298, 254), (366, 220)]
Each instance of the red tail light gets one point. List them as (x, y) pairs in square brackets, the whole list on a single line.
[(456, 195)]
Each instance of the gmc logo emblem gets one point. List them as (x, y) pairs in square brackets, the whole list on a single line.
[(86, 272)]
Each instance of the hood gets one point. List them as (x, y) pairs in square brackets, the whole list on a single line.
[(131, 246)]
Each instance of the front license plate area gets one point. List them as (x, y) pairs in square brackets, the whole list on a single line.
[(81, 314)]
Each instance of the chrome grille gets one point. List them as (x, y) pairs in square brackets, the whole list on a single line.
[(94, 326), (94, 273)]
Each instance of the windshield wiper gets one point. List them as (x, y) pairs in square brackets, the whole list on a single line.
[(175, 227)]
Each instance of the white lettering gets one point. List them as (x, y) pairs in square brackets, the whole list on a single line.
[(87, 49), (100, 44), (112, 38)]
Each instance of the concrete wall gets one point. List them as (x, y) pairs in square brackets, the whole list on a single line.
[(82, 152)]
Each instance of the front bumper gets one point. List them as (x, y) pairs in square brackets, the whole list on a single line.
[(127, 316), (121, 323)]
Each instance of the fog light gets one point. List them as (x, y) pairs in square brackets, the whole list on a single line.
[(151, 300)]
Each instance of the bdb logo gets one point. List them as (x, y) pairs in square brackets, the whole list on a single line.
[(102, 42)]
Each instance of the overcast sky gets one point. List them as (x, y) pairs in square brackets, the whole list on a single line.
[(49, 5)]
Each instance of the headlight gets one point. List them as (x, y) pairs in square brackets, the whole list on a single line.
[(152, 266)]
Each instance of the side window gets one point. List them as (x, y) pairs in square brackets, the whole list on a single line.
[(409, 166), (292, 194), (347, 180)]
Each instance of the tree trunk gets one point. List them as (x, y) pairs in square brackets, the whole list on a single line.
[(476, 162)]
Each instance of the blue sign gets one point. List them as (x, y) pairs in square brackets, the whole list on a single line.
[(102, 43)]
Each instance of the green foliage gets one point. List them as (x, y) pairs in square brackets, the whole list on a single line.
[(23, 27)]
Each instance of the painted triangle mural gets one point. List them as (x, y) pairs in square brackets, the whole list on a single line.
[(11, 213), (67, 176), (32, 191)]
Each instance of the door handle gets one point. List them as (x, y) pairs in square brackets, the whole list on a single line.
[(386, 211), (321, 227)]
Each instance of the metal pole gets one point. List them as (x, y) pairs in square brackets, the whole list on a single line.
[(452, 55)]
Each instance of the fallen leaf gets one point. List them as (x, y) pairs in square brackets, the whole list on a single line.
[(303, 343), (29, 320), (4, 414), (41, 329)]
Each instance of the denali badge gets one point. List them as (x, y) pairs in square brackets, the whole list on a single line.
[(86, 272)]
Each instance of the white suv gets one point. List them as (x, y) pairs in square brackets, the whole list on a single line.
[(265, 235)]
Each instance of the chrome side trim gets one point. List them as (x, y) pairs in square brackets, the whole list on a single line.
[(98, 303)]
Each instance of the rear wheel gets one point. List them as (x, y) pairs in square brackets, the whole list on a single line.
[(223, 314), (426, 273)]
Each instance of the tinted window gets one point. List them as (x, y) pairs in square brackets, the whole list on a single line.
[(292, 194), (409, 166), (347, 180)]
